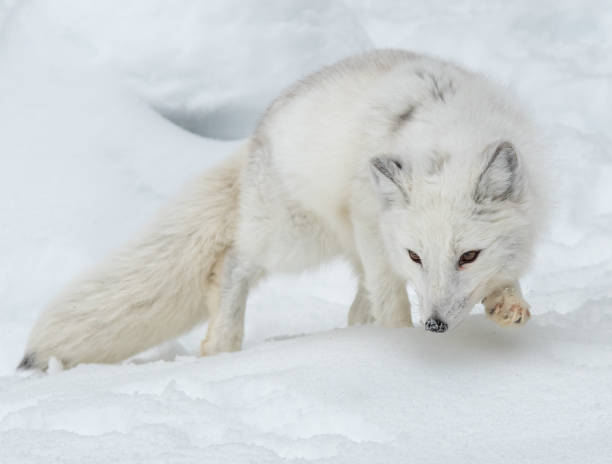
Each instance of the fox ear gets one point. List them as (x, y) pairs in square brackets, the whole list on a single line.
[(390, 178), (499, 180)]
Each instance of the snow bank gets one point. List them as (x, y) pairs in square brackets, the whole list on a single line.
[(92, 95), (175, 54), (359, 395)]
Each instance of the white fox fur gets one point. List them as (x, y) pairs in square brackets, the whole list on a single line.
[(374, 156), (154, 289)]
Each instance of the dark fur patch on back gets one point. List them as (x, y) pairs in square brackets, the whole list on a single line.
[(439, 88), (398, 120), (436, 91), (406, 115)]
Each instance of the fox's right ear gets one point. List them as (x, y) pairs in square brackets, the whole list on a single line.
[(391, 180), (501, 178)]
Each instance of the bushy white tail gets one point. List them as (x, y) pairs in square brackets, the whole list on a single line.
[(156, 288)]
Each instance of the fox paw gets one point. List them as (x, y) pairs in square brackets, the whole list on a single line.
[(212, 344), (506, 308)]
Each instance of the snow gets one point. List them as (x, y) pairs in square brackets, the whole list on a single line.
[(95, 98)]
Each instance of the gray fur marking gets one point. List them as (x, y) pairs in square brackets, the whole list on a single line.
[(390, 169), (437, 163), (383, 168), (436, 92), (438, 89), (406, 115), (484, 212)]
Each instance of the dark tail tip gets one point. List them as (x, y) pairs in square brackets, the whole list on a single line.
[(28, 362)]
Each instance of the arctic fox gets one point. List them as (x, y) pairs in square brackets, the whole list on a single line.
[(413, 169)]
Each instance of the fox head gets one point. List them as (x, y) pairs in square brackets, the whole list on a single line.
[(455, 227)]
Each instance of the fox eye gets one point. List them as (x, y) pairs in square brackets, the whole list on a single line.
[(414, 257), (468, 257)]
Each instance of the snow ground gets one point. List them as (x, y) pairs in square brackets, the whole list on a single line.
[(90, 97)]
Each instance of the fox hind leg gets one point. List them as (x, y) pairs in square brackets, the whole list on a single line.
[(226, 326)]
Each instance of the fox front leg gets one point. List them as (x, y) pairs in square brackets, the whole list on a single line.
[(360, 312), (506, 306), (388, 300)]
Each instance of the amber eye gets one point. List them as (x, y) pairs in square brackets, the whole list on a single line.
[(468, 257), (414, 257)]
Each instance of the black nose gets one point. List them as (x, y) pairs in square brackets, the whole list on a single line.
[(435, 325)]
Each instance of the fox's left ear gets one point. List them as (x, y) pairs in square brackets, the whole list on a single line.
[(500, 178), (391, 180)]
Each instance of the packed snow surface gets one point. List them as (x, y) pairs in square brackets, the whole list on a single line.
[(108, 108)]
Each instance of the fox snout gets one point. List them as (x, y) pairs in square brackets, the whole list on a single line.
[(436, 325)]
